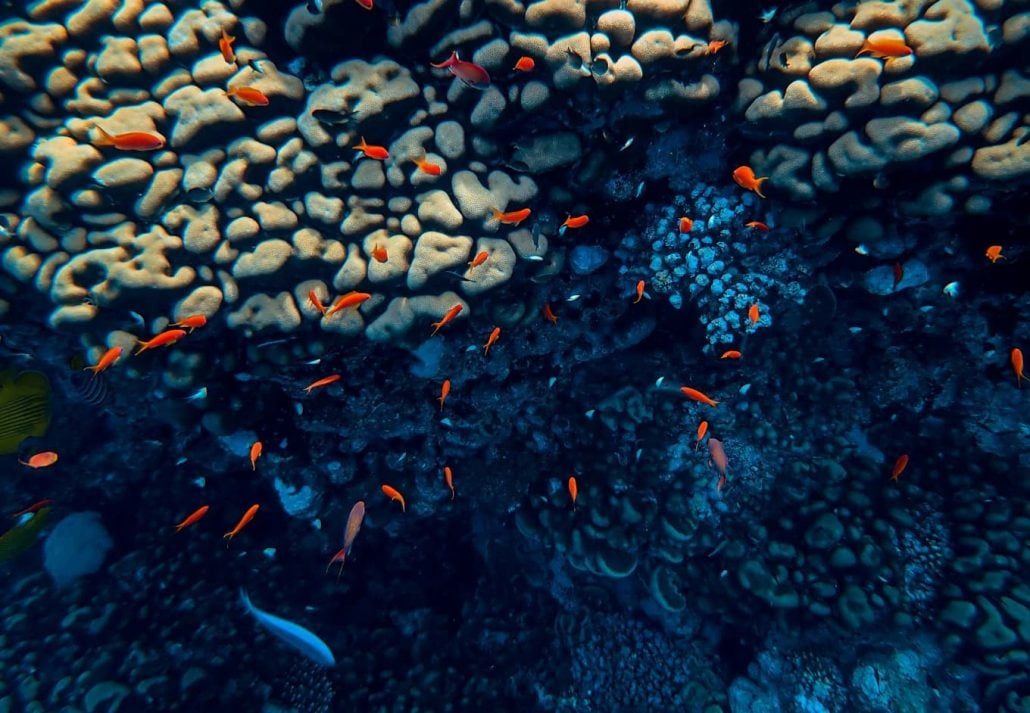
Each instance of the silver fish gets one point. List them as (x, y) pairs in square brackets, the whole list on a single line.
[(590, 413), (293, 635), (535, 258), (197, 395), (640, 189), (573, 298)]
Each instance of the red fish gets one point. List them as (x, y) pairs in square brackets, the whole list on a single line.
[(881, 47), (324, 381), (444, 390), (899, 274), (758, 225), (731, 354), (746, 179), (247, 517), (194, 321), (316, 303), (130, 140), (513, 217), (433, 169), (573, 491), (717, 456), (753, 314), (110, 357), (196, 515), (1017, 365), (899, 466), (479, 259), (491, 339), (394, 494), (354, 520), (379, 253), (40, 460), (697, 396), (451, 314), (470, 73), (994, 254), (549, 314), (248, 95), (351, 299), (640, 291), (379, 153), (448, 477), (686, 224), (525, 64), (702, 429), (33, 507), (255, 453), (571, 221), (225, 47), (166, 338), (365, 4)]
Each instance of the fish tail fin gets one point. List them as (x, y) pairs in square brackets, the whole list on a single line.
[(361, 145), (497, 215), (758, 185), (245, 600), (142, 345), (103, 138)]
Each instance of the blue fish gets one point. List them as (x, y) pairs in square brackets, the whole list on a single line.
[(292, 634)]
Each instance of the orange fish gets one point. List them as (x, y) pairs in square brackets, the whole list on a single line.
[(351, 299), (573, 491), (110, 357), (130, 140), (365, 4), (324, 381), (899, 274), (255, 453), (702, 429), (573, 222), (448, 476), (513, 217), (354, 519), (194, 321), (746, 179), (316, 303), (248, 95), (697, 396), (753, 314), (717, 456), (33, 507), (640, 291), (170, 336), (758, 225), (686, 224), (994, 254), (1017, 365), (731, 354), (225, 47), (549, 314), (714, 46), (40, 460), (394, 494), (379, 253), (899, 466), (479, 259), (525, 64), (491, 339), (379, 153), (196, 515), (444, 390), (451, 314), (247, 517), (881, 47), (433, 169)]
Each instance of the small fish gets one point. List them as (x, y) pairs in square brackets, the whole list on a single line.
[(199, 195), (194, 516), (479, 259), (129, 140), (994, 254), (573, 297), (638, 454), (1016, 357), (225, 47), (573, 491), (194, 321), (166, 338), (862, 250), (659, 381), (899, 466), (324, 381), (448, 477), (535, 258), (640, 189), (379, 253), (451, 314), (40, 460), (551, 382), (330, 117), (549, 314), (293, 635), (899, 274), (513, 217), (686, 225), (109, 358), (753, 314), (354, 520), (627, 143), (697, 396), (394, 494), (885, 47), (315, 302), (731, 354), (951, 289), (714, 46), (757, 225), (573, 222), (639, 291), (590, 414), (425, 166), (198, 395), (717, 456), (33, 507), (137, 318), (524, 64), (255, 453), (702, 429), (351, 299), (379, 153), (247, 517), (491, 340), (471, 74), (746, 179), (248, 96), (445, 389), (767, 15)]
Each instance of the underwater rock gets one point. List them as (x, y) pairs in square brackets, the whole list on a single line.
[(77, 547), (587, 259)]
